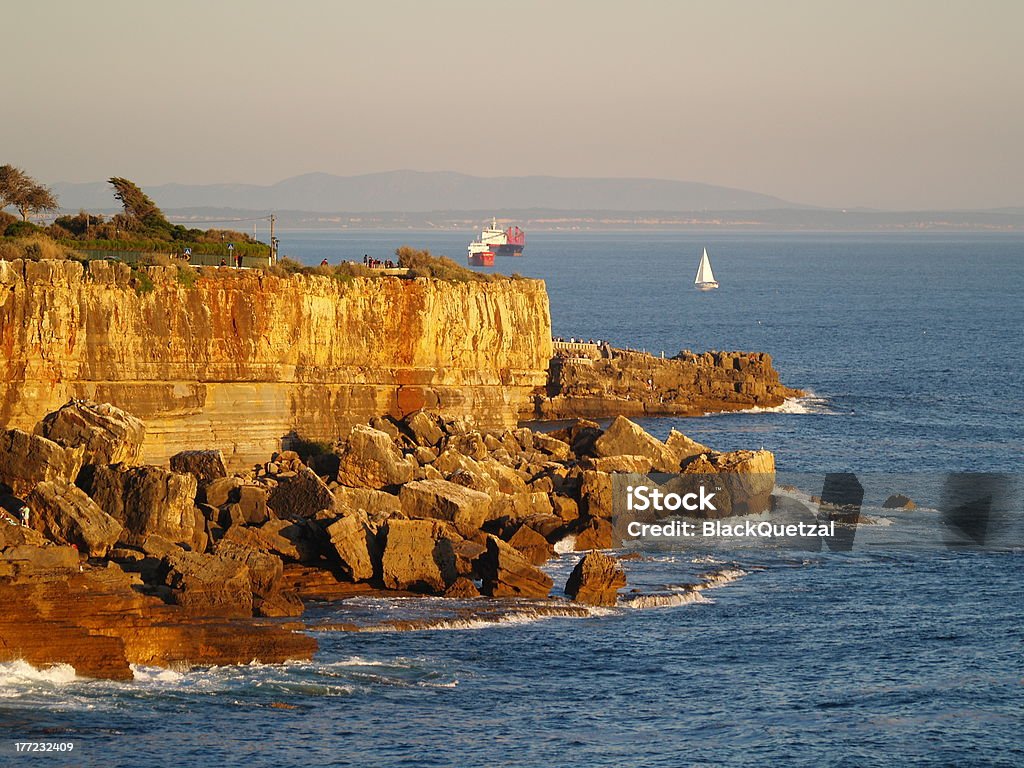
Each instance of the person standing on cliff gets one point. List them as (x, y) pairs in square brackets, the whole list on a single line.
[(25, 513)]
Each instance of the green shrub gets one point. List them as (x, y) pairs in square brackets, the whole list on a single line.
[(186, 276), (425, 264), (22, 229), (307, 449), (143, 282)]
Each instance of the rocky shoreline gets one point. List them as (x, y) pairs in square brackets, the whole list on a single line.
[(587, 380), (126, 563)]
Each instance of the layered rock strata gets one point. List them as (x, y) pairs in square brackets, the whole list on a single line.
[(240, 359)]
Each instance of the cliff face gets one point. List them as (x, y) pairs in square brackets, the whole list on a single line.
[(594, 382), (240, 359)]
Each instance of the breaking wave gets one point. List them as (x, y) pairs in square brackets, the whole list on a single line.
[(686, 593), (810, 403), (485, 618), (20, 674)]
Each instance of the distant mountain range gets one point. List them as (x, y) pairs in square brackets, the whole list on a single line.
[(418, 192)]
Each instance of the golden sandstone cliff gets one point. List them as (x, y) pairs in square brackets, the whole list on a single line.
[(239, 359)]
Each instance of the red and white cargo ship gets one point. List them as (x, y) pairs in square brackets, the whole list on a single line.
[(494, 241)]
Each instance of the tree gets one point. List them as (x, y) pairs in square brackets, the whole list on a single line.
[(26, 194), (138, 206)]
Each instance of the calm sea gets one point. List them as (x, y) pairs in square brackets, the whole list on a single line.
[(909, 346)]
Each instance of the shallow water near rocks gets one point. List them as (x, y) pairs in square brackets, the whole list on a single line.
[(886, 655)]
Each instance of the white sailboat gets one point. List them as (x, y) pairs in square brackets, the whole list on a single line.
[(705, 279)]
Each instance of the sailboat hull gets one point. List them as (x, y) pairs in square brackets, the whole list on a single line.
[(706, 286)]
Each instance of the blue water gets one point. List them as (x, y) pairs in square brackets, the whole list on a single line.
[(883, 656)]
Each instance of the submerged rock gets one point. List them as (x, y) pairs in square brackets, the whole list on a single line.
[(899, 501)]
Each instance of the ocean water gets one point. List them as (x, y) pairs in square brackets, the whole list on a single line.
[(892, 654)]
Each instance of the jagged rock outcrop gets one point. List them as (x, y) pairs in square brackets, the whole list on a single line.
[(108, 434), (99, 622), (591, 381), (239, 358), (478, 505), (596, 579)]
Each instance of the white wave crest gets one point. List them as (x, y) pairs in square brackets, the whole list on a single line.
[(641, 602), (142, 674), (20, 673), (720, 578), (566, 545), (810, 403)]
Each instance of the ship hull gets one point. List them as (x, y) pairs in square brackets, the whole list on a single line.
[(509, 249), (483, 259)]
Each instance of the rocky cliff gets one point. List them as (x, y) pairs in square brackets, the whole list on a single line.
[(591, 381), (239, 359)]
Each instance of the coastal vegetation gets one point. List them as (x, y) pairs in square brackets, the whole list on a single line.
[(140, 228), (145, 237), (24, 193)]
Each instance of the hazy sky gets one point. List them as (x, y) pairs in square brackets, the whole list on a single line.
[(884, 104)]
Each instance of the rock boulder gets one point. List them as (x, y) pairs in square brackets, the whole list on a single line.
[(596, 579), (108, 434), (466, 509), (29, 459), (355, 544), (63, 513), (205, 466), (507, 573), (301, 495), (418, 555), (371, 460), (147, 500), (208, 585)]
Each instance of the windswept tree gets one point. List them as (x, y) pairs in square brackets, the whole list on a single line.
[(139, 208), (23, 192)]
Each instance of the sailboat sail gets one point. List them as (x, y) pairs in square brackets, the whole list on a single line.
[(704, 273)]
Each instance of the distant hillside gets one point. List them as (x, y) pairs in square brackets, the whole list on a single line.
[(417, 192)]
